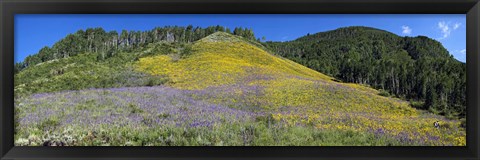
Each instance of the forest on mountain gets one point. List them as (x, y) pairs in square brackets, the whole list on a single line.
[(418, 69)]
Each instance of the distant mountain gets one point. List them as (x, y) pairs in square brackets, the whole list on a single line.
[(416, 68), (417, 47)]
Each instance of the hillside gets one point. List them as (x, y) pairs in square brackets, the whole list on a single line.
[(222, 59), (418, 69), (219, 90), (82, 71)]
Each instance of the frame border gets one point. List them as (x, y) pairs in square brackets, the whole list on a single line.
[(8, 8)]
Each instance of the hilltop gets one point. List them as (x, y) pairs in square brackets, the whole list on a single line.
[(220, 59)]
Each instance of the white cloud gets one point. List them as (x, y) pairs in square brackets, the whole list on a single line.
[(406, 30), (463, 51), (456, 26), (445, 29)]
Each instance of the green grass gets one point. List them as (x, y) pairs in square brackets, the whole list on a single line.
[(250, 134)]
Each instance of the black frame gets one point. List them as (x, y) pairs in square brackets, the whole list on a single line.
[(9, 8)]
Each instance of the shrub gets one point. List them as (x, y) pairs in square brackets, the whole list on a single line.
[(384, 93), (452, 115), (163, 115), (49, 124), (445, 125), (417, 104), (268, 120), (84, 106), (156, 80), (148, 121), (134, 108), (186, 51)]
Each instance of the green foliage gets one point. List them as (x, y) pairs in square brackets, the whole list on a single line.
[(49, 124), (163, 115), (158, 48), (251, 134), (267, 120), (186, 50), (82, 72), (90, 104), (418, 104), (156, 80), (135, 109), (384, 93), (416, 68)]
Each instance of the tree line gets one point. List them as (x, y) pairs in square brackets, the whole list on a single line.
[(107, 44), (419, 69)]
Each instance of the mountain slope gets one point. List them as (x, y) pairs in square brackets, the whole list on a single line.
[(222, 59), (82, 71), (414, 68)]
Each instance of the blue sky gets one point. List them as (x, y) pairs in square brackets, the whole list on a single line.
[(34, 31)]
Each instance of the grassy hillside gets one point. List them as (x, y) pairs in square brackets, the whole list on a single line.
[(90, 70), (220, 90), (222, 59)]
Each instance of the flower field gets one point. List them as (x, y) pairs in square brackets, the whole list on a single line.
[(228, 92)]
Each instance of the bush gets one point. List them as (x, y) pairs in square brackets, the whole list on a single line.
[(186, 51), (134, 108), (384, 93), (156, 80), (49, 124), (268, 120), (163, 115), (417, 104)]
